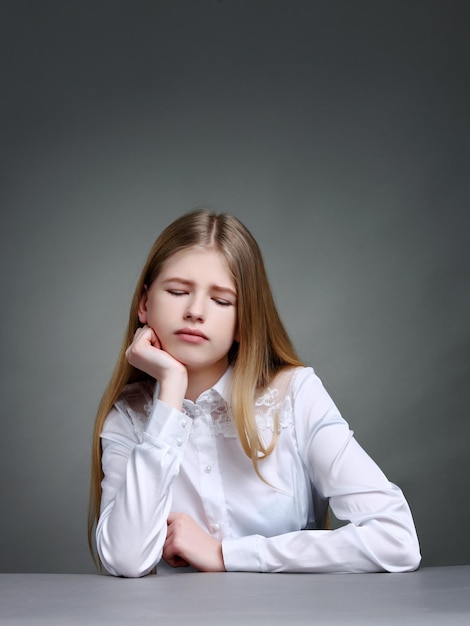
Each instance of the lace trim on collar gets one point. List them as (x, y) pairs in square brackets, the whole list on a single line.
[(273, 406)]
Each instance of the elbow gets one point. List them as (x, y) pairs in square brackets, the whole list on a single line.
[(125, 561), (126, 566), (401, 553), (396, 545), (404, 561), (410, 558)]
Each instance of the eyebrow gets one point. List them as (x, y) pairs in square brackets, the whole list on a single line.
[(190, 283)]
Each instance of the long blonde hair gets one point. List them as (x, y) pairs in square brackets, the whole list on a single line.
[(263, 347)]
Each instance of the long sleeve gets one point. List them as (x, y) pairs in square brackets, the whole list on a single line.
[(139, 466), (380, 535)]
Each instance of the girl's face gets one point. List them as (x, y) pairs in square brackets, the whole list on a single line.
[(192, 307)]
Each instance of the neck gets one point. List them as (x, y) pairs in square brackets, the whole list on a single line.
[(199, 380)]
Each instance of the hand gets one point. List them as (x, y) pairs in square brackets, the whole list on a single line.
[(188, 544), (146, 354)]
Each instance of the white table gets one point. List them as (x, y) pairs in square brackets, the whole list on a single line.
[(430, 596)]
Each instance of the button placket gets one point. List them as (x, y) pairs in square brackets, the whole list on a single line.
[(212, 493)]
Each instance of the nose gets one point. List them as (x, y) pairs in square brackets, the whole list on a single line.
[(195, 310)]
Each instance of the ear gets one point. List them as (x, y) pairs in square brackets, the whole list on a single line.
[(143, 306)]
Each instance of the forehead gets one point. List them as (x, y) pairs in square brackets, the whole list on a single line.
[(198, 265)]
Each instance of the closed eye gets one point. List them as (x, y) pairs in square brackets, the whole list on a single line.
[(221, 302), (176, 292)]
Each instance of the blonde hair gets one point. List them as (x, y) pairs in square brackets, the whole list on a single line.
[(263, 347)]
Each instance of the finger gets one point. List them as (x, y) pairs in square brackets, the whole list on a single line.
[(154, 340), (144, 336), (147, 333), (171, 556), (176, 561), (140, 329)]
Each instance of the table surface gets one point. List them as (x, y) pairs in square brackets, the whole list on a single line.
[(434, 595)]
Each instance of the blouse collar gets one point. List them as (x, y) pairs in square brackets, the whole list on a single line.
[(220, 392)]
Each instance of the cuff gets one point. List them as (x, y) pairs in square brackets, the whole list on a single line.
[(242, 555), (168, 426)]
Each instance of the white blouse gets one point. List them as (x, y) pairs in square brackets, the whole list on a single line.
[(157, 459)]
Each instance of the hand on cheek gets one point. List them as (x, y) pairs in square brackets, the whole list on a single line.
[(146, 354), (188, 544)]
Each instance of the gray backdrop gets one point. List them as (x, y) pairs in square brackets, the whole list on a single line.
[(337, 131)]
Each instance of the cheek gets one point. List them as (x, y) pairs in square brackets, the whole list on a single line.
[(158, 313), (233, 325)]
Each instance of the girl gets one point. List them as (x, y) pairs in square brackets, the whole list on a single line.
[(213, 446)]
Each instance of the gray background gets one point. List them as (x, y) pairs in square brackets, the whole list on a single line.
[(337, 131)]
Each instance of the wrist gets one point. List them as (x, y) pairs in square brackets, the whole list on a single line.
[(173, 389)]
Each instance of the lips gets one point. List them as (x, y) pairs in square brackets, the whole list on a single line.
[(191, 331), (191, 335)]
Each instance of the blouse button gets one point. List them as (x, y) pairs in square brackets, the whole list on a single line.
[(197, 411), (208, 469), (179, 441), (183, 423), (216, 527)]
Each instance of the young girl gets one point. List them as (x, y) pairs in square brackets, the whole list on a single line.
[(214, 447)]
